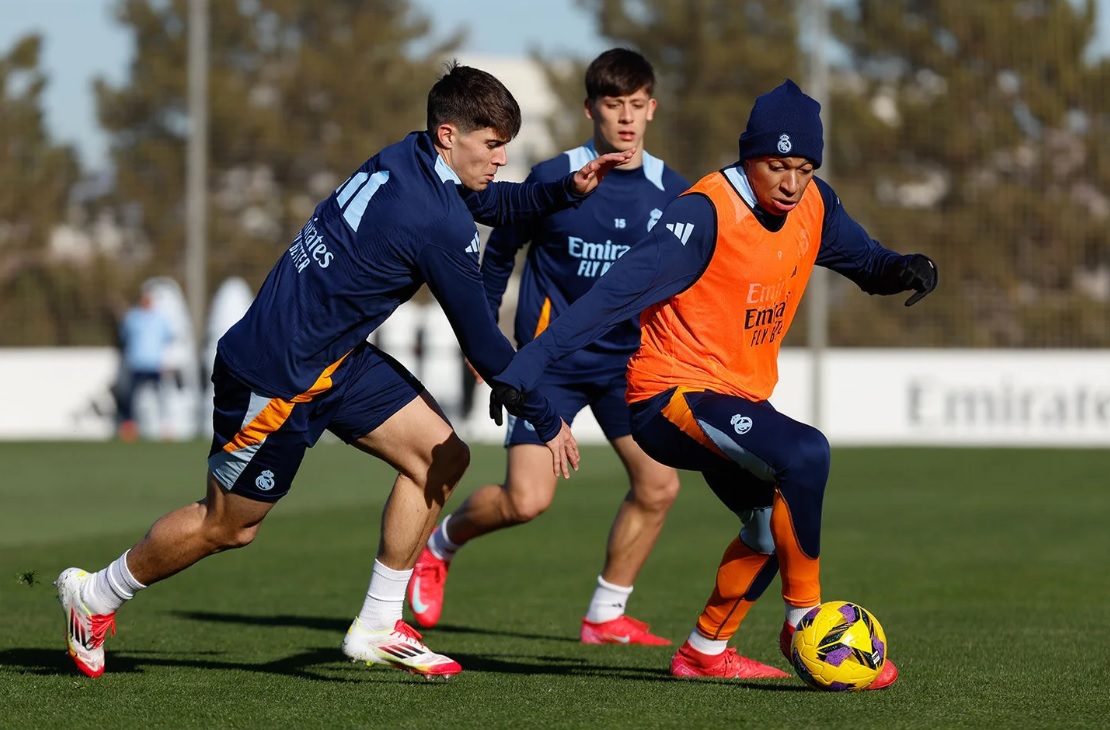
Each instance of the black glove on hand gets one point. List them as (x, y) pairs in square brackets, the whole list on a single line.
[(919, 273), (507, 396)]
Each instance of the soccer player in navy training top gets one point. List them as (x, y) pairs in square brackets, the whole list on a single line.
[(569, 251), (298, 362)]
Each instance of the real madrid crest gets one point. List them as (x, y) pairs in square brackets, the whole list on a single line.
[(785, 145)]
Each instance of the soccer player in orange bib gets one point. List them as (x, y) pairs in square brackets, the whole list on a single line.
[(719, 279)]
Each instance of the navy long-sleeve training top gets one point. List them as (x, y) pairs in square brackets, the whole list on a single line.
[(401, 220)]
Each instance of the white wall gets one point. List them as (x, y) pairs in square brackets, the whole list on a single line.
[(58, 393), (956, 397), (872, 397)]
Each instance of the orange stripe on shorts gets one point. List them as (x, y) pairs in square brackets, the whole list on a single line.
[(678, 412), (276, 412)]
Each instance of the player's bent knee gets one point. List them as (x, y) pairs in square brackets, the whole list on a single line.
[(812, 454), (528, 506), (756, 530), (441, 469), (526, 512), (244, 536), (232, 537), (456, 456), (228, 520), (656, 495)]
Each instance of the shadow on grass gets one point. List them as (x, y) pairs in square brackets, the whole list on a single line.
[(482, 631), (50, 662), (321, 623), (324, 623), (320, 664), (496, 663), (327, 664)]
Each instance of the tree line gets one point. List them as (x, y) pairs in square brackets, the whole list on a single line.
[(970, 131)]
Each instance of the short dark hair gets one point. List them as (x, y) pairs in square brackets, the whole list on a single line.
[(472, 99), (619, 72)]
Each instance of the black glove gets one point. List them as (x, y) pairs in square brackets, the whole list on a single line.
[(507, 396), (919, 273)]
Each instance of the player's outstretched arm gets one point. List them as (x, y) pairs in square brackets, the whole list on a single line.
[(455, 281), (594, 171), (508, 203), (660, 266)]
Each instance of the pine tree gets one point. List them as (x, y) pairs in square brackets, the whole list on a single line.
[(42, 294), (975, 132), (301, 93)]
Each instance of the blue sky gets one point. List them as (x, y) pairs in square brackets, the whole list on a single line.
[(82, 41)]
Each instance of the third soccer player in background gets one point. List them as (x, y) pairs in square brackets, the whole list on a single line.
[(569, 252)]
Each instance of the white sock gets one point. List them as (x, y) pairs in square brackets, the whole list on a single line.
[(794, 614), (441, 545), (108, 589), (712, 647), (608, 602), (385, 600)]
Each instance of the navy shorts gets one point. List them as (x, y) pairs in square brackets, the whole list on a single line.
[(258, 442), (603, 393), (742, 447), (747, 451)]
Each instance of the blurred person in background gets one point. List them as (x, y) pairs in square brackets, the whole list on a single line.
[(298, 362), (569, 251), (719, 280), (145, 333)]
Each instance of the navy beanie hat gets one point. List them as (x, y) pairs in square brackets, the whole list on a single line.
[(784, 123)]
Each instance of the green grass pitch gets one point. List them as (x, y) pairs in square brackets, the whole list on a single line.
[(989, 569)]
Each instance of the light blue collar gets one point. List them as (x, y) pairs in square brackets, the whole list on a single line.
[(652, 166), (446, 174), (739, 180)]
